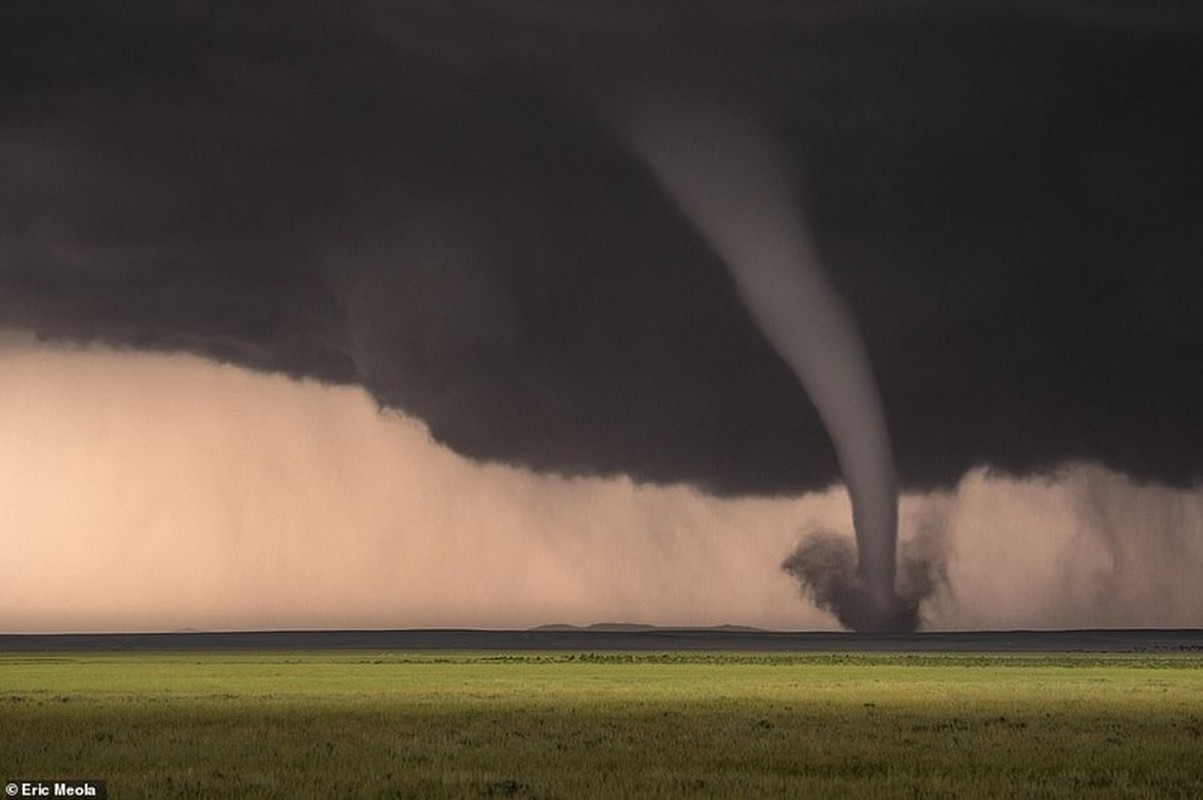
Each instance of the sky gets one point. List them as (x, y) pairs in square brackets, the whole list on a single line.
[(160, 492), (390, 315)]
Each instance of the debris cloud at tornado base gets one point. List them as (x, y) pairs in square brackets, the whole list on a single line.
[(824, 565)]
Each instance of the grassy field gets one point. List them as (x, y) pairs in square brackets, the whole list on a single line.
[(606, 725)]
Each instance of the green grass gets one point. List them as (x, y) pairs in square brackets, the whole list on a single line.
[(606, 725)]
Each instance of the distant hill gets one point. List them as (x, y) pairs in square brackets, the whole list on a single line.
[(634, 627)]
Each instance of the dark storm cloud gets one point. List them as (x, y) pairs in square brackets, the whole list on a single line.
[(421, 197)]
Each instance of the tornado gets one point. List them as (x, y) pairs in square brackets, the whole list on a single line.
[(731, 176)]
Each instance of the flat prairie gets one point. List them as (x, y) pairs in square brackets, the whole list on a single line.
[(607, 723)]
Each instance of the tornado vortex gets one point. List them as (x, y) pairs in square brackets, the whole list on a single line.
[(731, 176)]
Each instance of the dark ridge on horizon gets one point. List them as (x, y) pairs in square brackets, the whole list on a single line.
[(650, 638), (617, 627), (622, 627)]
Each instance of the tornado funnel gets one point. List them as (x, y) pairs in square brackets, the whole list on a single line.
[(731, 176)]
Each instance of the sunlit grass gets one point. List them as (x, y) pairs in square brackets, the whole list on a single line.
[(628, 725)]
